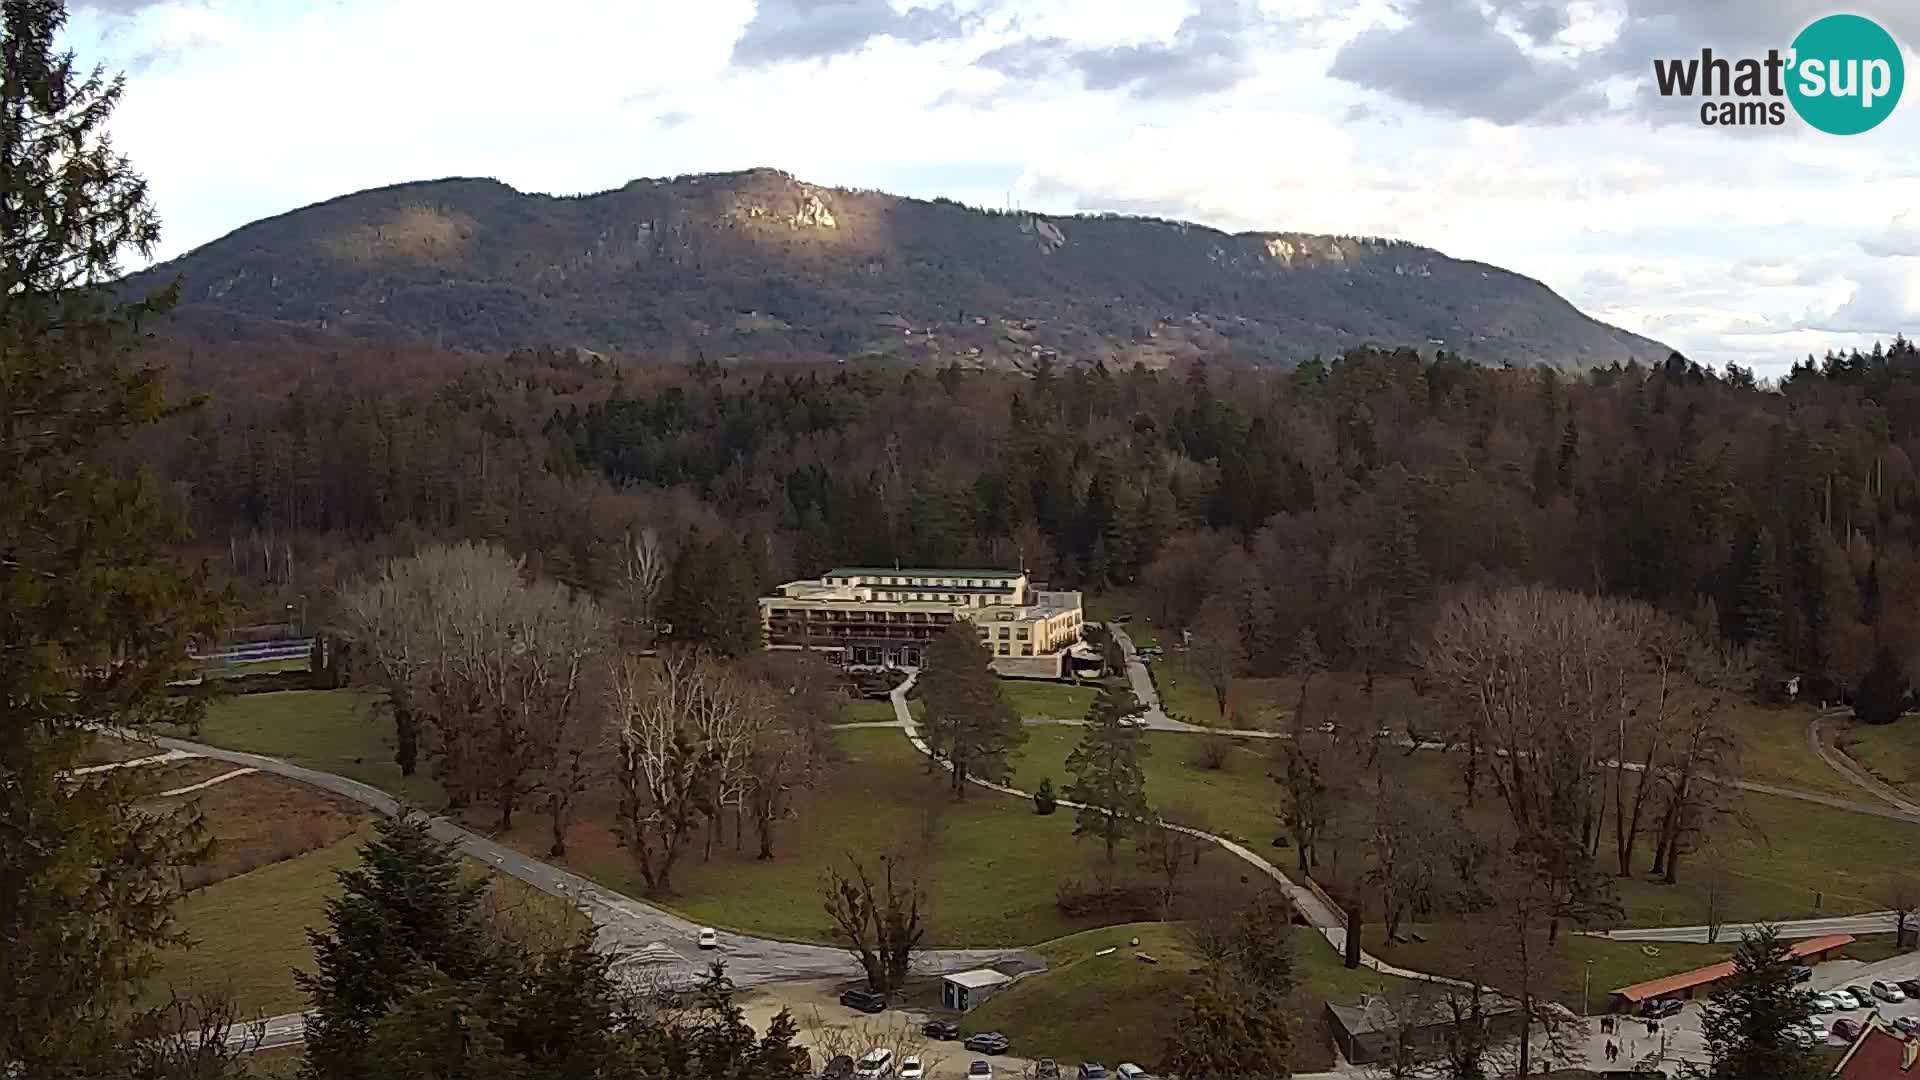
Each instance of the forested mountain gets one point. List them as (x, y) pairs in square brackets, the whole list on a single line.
[(1346, 497), (760, 265)]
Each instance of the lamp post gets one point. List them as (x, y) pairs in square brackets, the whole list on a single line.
[(1586, 991)]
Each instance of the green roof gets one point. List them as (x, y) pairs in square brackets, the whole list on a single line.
[(919, 571)]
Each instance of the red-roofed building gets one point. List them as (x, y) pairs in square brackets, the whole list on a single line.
[(1702, 980), (1880, 1053)]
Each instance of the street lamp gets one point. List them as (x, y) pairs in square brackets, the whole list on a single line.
[(1586, 990)]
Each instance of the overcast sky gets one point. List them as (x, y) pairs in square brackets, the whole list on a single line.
[(1519, 132)]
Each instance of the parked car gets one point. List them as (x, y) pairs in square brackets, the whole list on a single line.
[(840, 1067), (980, 1070), (865, 1001), (1802, 973), (1911, 987), (1861, 994), (1661, 1008), (1843, 998), (1824, 1003), (709, 938), (1846, 1030), (1092, 1070), (1887, 991), (1800, 1036), (1906, 1025), (987, 1042), (876, 1065), (1046, 1069), (911, 1069), (943, 1030), (1130, 1071)]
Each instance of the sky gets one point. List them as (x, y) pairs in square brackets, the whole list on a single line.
[(1523, 133)]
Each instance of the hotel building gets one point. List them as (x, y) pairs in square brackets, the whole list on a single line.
[(863, 617)]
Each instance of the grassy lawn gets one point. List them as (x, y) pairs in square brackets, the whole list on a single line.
[(250, 932), (1106, 607), (1269, 703), (1889, 751), (1237, 798), (1117, 1008), (1774, 751), (864, 711), (339, 731), (1058, 701), (989, 866)]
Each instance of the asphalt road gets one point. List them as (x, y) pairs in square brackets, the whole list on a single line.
[(1879, 922), (622, 924)]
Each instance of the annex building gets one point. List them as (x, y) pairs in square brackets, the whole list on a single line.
[(867, 617)]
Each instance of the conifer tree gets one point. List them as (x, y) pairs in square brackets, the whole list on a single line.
[(1108, 782), (95, 615), (969, 724), (1748, 1023)]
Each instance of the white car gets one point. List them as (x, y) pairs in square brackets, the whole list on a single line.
[(911, 1069), (1805, 1035), (1887, 992), (1130, 1071), (1844, 1001), (979, 1070), (1824, 1003), (708, 938), (876, 1065)]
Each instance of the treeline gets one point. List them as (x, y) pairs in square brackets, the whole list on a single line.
[(1340, 496)]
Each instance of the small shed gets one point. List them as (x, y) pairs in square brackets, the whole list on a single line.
[(963, 990)]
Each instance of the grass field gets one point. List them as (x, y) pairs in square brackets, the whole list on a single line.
[(249, 931), (1238, 798), (1269, 703), (990, 865), (1106, 607), (339, 731), (1448, 946), (1058, 701), (1889, 751), (260, 667), (1117, 1008)]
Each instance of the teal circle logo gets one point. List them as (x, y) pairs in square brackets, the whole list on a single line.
[(1846, 74)]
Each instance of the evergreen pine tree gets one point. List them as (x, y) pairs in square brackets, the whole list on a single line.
[(1108, 781), (405, 918), (1882, 695), (968, 724), (1748, 1022), (96, 615)]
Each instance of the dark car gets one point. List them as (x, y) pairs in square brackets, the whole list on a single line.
[(865, 1001), (1046, 1069), (1911, 987), (1661, 1008), (1846, 1030), (1802, 973), (840, 1068), (1092, 1070), (944, 1030), (987, 1042)]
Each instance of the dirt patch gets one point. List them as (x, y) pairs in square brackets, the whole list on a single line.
[(257, 820), (101, 750)]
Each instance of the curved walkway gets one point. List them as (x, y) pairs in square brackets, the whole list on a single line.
[(622, 924), (1328, 922), (1853, 771)]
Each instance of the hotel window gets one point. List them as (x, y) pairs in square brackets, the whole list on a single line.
[(1022, 635), (1001, 648)]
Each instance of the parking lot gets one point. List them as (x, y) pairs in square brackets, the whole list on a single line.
[(1680, 1039)]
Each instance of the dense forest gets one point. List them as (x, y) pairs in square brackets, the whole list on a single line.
[(1343, 497)]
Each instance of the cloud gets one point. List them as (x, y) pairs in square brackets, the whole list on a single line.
[(672, 119), (1452, 56), (1885, 300), (1902, 237), (1214, 49), (788, 30)]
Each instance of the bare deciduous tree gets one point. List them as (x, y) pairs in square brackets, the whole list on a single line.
[(879, 923), (1217, 653), (661, 762), (1901, 894)]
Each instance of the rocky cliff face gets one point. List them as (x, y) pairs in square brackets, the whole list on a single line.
[(760, 263)]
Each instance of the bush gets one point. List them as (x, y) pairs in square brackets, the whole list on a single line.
[(1119, 903), (1043, 800), (1213, 752)]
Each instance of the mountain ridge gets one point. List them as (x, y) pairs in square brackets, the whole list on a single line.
[(758, 264)]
